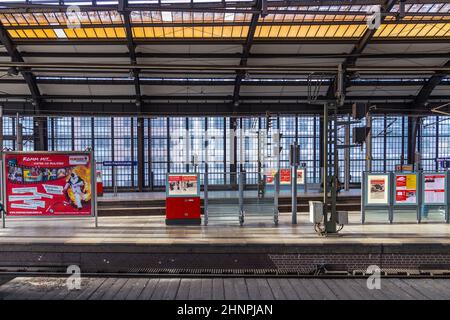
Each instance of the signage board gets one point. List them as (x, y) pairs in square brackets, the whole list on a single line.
[(182, 185), (434, 188), (285, 177), (404, 167), (48, 184), (378, 189), (406, 188), (119, 163)]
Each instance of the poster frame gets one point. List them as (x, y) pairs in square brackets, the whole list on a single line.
[(290, 174), (446, 202), (445, 188), (407, 206), (414, 204), (364, 201), (183, 195), (389, 183), (94, 213)]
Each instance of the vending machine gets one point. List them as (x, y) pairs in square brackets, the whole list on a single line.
[(183, 199)]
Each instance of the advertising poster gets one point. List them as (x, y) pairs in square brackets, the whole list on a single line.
[(378, 189), (285, 177), (48, 184), (434, 188), (406, 188), (182, 185)]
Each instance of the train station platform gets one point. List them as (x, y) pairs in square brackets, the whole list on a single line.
[(144, 244)]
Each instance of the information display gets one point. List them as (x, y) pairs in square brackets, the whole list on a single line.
[(285, 176), (406, 188), (48, 184), (182, 185), (378, 189), (434, 188)]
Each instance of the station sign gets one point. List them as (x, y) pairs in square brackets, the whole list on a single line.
[(444, 162), (404, 167), (48, 184), (119, 163)]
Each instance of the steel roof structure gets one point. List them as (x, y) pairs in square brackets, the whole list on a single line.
[(221, 57)]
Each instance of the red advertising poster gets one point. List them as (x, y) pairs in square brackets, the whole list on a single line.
[(285, 176), (41, 184), (406, 188)]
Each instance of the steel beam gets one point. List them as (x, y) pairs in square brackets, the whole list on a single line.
[(237, 55), (362, 44), (229, 24), (201, 108), (122, 6), (420, 102), (61, 80), (226, 41), (220, 7), (246, 52), (427, 89), (375, 100), (40, 125)]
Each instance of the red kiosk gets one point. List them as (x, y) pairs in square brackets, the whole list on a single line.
[(183, 199)]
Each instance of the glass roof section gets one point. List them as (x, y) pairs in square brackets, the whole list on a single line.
[(421, 20)]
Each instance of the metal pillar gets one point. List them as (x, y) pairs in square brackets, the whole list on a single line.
[(40, 133), (205, 182), (241, 148), (347, 156), (187, 152), (140, 154), (330, 134), (1, 127), (322, 143), (233, 153), (325, 163), (94, 188), (241, 197), (19, 136), (369, 143), (294, 165), (413, 132), (331, 225), (114, 179)]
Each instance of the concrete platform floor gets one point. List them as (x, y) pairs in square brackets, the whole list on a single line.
[(43, 288), (152, 230)]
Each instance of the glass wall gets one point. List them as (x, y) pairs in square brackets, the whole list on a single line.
[(166, 139), (434, 141), (389, 142)]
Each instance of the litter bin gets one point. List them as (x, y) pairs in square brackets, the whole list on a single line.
[(315, 211)]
